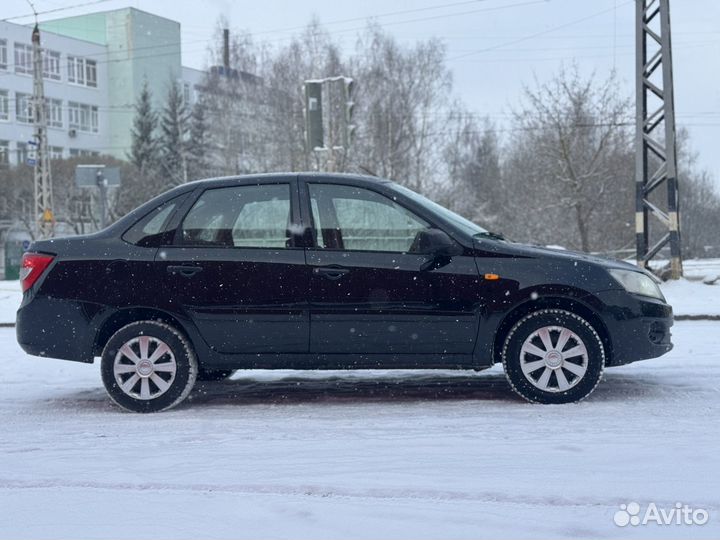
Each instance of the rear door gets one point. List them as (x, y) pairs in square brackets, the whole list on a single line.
[(237, 270), (369, 292)]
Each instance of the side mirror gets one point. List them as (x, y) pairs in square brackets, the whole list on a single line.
[(437, 245)]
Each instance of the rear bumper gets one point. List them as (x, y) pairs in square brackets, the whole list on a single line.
[(639, 327), (55, 328)]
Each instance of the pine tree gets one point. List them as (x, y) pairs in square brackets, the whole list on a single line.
[(173, 136), (144, 148), (199, 143)]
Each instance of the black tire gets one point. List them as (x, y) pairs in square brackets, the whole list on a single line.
[(207, 375), (563, 384), (177, 367)]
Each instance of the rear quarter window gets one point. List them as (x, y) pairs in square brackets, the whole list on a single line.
[(150, 230)]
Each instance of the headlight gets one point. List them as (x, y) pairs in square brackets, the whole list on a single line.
[(637, 283)]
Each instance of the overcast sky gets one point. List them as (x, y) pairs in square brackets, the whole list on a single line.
[(494, 46)]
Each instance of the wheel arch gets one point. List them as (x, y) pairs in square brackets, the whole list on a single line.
[(572, 305), (123, 317)]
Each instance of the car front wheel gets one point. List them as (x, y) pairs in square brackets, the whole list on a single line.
[(148, 366), (553, 356)]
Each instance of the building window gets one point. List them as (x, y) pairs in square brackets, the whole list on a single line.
[(83, 117), (76, 70), (56, 152), (51, 64), (21, 150), (23, 108), (3, 54), (186, 93), (4, 153), (54, 112), (4, 105), (82, 71), (91, 73), (23, 58), (77, 152)]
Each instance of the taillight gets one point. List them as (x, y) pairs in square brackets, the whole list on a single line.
[(32, 267)]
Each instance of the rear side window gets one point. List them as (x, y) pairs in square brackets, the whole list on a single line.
[(150, 230), (240, 216)]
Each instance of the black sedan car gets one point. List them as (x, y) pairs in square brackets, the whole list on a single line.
[(327, 271)]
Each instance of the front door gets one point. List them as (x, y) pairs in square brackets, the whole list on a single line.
[(369, 292), (236, 272)]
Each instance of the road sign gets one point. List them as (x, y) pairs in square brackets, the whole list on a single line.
[(89, 176)]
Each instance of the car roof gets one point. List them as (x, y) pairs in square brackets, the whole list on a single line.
[(274, 177)]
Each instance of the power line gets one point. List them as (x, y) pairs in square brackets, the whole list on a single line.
[(55, 10), (541, 33), (208, 41)]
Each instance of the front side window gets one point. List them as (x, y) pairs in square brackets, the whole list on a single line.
[(240, 216), (358, 219)]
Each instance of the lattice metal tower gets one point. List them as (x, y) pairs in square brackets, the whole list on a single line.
[(44, 219), (656, 156)]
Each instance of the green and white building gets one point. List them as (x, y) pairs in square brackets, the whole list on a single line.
[(95, 66)]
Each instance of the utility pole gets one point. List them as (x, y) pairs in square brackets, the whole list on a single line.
[(44, 219), (656, 155)]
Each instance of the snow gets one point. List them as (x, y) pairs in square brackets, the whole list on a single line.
[(10, 298), (412, 454), (692, 297)]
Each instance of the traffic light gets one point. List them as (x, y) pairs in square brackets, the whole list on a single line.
[(349, 90), (313, 115)]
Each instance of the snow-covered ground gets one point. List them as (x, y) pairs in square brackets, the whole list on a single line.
[(360, 455), (10, 298)]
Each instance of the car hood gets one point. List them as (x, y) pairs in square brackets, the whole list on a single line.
[(511, 249)]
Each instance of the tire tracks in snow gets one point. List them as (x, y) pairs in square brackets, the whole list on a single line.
[(319, 491)]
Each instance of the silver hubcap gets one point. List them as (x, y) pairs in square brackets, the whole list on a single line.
[(144, 367), (553, 359)]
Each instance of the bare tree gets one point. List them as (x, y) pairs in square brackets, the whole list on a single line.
[(403, 98), (472, 157), (570, 163)]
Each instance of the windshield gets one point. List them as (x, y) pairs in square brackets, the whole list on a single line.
[(464, 224)]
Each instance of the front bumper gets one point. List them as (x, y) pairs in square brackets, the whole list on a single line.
[(639, 327)]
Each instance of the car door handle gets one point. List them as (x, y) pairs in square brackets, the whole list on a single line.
[(185, 271), (331, 272)]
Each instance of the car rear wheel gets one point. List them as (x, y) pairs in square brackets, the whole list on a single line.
[(148, 366), (553, 356)]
